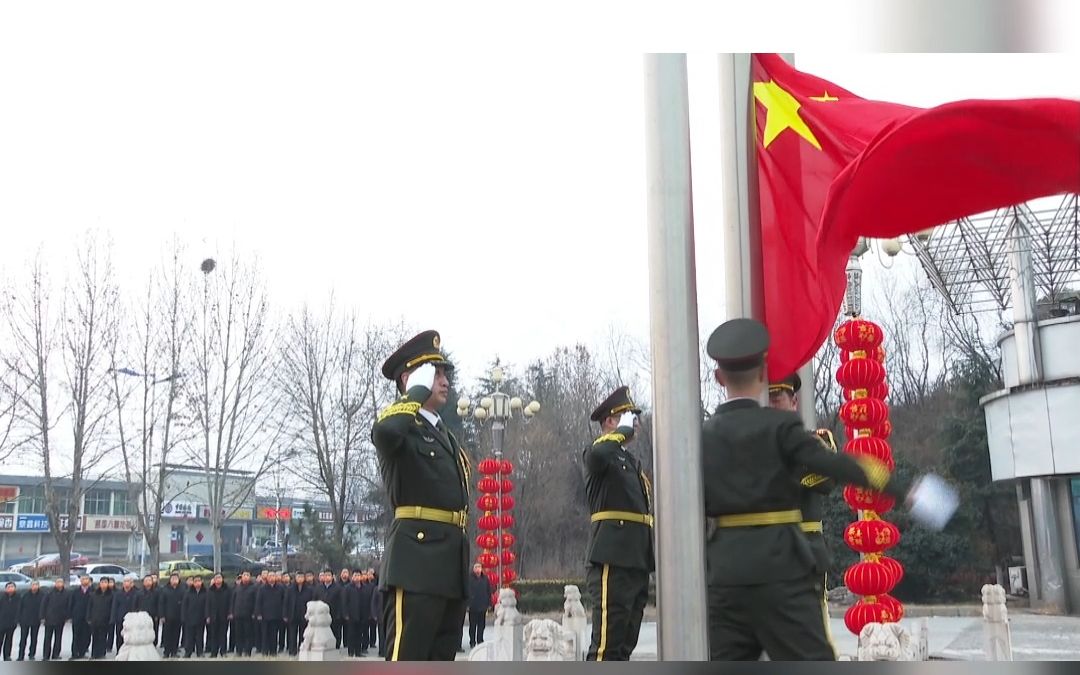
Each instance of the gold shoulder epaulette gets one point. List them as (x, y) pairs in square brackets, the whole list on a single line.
[(812, 479), (401, 408), (617, 437)]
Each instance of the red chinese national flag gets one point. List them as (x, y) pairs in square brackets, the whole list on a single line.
[(833, 167)]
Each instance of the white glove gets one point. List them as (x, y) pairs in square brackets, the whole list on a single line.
[(627, 420), (424, 376), (932, 502)]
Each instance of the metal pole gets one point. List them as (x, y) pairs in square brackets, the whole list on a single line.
[(740, 218), (1046, 532), (679, 531)]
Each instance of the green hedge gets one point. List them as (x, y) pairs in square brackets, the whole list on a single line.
[(546, 595)]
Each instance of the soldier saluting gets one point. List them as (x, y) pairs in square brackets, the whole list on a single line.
[(426, 474), (620, 552), (764, 592)]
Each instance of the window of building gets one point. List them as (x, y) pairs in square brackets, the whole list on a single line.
[(32, 499), (97, 502), (8, 507), (123, 505)]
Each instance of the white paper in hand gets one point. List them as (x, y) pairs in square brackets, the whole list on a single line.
[(424, 376), (933, 502)]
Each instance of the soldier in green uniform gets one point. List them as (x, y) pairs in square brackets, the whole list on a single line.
[(426, 474), (784, 395), (620, 551), (764, 592)]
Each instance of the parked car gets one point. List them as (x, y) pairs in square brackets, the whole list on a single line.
[(21, 581), (184, 568), (100, 570), (231, 564), (47, 564), (273, 560)]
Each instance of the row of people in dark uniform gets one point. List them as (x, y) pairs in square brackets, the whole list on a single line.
[(265, 614)]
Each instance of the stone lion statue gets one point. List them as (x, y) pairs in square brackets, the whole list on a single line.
[(886, 642), (545, 640), (317, 636), (138, 635), (506, 613), (572, 607)]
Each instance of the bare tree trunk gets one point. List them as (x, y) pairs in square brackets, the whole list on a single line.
[(231, 392)]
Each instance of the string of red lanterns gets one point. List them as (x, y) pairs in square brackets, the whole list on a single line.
[(496, 542), (862, 376)]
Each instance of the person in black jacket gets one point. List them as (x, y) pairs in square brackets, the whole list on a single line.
[(9, 618), (297, 596), (357, 609), (480, 591), (80, 622), (218, 598), (329, 592), (372, 627), (270, 609), (149, 600), (232, 620), (285, 581), (110, 635), (56, 609), (193, 612), (30, 619), (243, 614), (98, 614), (170, 615), (377, 600), (123, 602)]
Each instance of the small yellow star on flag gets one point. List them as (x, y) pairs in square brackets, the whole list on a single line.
[(781, 112)]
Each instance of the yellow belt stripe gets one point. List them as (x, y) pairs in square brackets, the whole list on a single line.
[(629, 516), (763, 518), (459, 518), (603, 616), (399, 605), (810, 526)]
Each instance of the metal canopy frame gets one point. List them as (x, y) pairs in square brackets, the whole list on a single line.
[(968, 260)]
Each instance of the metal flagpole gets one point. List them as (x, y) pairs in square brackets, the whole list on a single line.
[(680, 546)]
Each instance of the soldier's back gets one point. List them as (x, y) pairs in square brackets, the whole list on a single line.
[(747, 479)]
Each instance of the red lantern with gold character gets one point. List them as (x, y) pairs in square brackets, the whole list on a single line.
[(508, 575), (488, 522), (895, 608), (864, 413), (489, 466), (488, 485), (505, 467), (508, 557), (871, 536), (864, 499), (487, 540), (507, 540), (869, 578), (860, 374), (507, 521), (867, 610), (487, 502), (488, 560), (858, 335)]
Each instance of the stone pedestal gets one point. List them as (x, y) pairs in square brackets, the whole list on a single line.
[(138, 635), (996, 624), (509, 638), (575, 622), (318, 642)]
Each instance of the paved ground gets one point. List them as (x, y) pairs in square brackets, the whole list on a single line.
[(1035, 637)]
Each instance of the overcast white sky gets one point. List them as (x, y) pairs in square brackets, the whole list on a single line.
[(497, 196)]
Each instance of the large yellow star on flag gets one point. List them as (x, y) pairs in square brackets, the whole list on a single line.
[(781, 112)]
